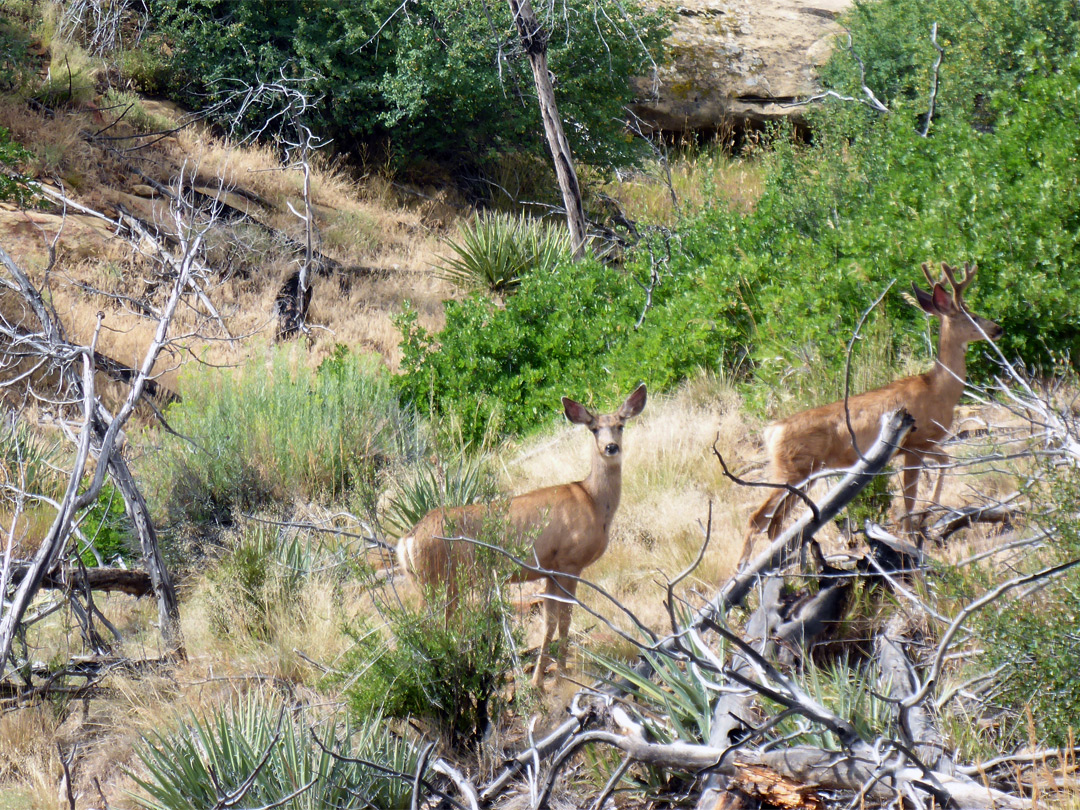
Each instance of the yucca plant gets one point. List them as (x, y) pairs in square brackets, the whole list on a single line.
[(462, 480), (287, 756), (28, 462), (675, 701), (494, 252), (848, 691)]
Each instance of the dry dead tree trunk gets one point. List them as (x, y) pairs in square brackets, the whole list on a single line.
[(164, 591), (134, 583), (917, 724), (534, 39), (100, 432), (864, 770), (734, 709)]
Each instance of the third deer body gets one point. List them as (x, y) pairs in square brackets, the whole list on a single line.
[(820, 439)]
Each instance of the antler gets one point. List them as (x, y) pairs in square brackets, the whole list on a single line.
[(959, 286), (929, 279)]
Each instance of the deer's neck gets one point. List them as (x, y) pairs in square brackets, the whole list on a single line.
[(950, 370), (604, 485)]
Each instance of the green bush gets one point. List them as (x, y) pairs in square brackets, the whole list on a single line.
[(195, 766), (13, 155), (992, 48), (106, 526), (450, 671), (17, 67), (493, 253), (570, 331), (1032, 638), (446, 81), (275, 430), (256, 580)]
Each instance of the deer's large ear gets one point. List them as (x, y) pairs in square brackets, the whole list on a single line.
[(942, 301), (634, 403), (576, 412), (925, 299)]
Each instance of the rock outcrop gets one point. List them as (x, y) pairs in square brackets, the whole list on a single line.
[(738, 62)]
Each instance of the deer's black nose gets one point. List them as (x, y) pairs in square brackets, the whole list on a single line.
[(612, 449)]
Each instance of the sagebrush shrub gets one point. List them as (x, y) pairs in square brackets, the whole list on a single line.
[(275, 429), (450, 671)]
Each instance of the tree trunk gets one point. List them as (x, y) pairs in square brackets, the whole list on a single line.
[(164, 592), (535, 39)]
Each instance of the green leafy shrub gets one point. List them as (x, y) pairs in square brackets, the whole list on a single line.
[(992, 48), (206, 757), (493, 253), (146, 66), (570, 331), (106, 526), (275, 429), (257, 580), (446, 82), (450, 671), (13, 155), (16, 65), (1032, 637)]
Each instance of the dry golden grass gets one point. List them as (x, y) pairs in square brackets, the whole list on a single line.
[(29, 764), (385, 241), (700, 177)]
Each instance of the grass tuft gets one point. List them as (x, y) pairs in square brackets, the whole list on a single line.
[(275, 430)]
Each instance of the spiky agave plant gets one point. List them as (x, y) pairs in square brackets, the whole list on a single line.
[(295, 760)]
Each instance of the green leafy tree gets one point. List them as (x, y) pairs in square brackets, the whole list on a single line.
[(444, 81), (12, 155)]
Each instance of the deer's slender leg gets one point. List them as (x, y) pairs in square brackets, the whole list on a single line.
[(913, 464), (551, 619), (564, 618), (765, 518), (940, 458)]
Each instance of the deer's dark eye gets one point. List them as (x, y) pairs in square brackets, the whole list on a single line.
[(594, 430)]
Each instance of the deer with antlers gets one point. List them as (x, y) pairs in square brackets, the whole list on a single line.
[(567, 525), (820, 439)]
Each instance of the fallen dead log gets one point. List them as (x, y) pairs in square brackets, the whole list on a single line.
[(966, 516), (864, 773), (135, 583), (765, 786), (917, 724)]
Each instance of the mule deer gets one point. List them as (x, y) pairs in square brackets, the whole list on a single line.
[(819, 439), (568, 526)]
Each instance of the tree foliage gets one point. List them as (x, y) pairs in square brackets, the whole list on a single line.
[(443, 80), (782, 286)]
